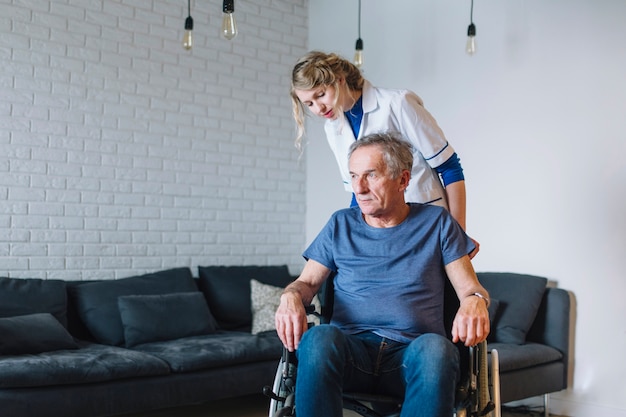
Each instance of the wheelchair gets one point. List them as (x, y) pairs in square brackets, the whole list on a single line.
[(478, 393)]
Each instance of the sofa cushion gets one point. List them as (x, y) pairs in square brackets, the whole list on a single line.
[(519, 299), (265, 299), (28, 296), (227, 289), (515, 357), (90, 363), (96, 302), (151, 318), (218, 350), (33, 333)]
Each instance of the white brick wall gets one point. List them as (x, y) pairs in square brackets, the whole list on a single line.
[(122, 153)]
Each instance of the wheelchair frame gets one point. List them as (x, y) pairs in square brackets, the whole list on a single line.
[(478, 395)]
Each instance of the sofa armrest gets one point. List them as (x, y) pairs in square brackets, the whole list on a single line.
[(552, 323)]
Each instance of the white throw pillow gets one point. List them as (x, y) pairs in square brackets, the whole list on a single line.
[(264, 302)]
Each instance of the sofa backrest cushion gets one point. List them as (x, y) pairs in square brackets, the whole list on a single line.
[(519, 297), (153, 318), (29, 296), (227, 289), (32, 334), (97, 306)]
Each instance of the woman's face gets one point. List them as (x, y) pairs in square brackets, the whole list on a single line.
[(321, 101)]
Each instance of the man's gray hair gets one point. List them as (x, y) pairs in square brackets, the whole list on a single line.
[(397, 152)]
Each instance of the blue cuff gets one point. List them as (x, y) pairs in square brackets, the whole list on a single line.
[(353, 203), (451, 170)]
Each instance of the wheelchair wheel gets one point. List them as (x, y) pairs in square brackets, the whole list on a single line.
[(284, 389)]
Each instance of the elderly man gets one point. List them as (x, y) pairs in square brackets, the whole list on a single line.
[(391, 261)]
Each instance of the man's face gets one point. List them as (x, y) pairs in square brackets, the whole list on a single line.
[(376, 192)]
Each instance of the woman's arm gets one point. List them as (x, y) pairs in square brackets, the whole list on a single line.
[(456, 201), (457, 206)]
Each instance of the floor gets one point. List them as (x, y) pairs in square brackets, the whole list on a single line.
[(257, 406)]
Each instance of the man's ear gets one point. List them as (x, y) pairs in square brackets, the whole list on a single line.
[(405, 177)]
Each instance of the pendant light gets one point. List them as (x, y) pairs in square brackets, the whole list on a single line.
[(229, 26), (470, 46), (188, 38), (358, 50)]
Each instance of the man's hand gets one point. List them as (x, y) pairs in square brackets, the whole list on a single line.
[(291, 320), (471, 323)]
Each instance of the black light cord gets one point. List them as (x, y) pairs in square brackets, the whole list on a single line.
[(359, 26), (471, 29), (359, 41), (189, 20)]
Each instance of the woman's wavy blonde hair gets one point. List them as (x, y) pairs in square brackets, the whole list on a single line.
[(320, 69)]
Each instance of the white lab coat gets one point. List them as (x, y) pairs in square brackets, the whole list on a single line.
[(400, 111)]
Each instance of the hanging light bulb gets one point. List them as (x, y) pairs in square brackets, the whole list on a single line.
[(188, 38), (358, 49), (229, 26), (470, 46), (358, 53)]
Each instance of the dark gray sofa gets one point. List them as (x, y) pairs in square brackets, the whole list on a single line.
[(531, 332), (183, 351), (136, 344)]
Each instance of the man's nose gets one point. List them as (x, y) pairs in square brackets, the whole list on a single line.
[(359, 186)]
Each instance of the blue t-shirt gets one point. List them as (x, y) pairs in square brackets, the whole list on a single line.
[(390, 280)]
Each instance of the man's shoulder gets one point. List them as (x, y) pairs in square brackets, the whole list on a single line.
[(427, 209), (430, 214)]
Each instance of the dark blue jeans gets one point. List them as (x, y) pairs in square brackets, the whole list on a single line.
[(424, 372)]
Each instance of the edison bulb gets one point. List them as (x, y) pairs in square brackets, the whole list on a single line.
[(229, 26), (358, 58), (358, 53), (188, 38), (470, 46)]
